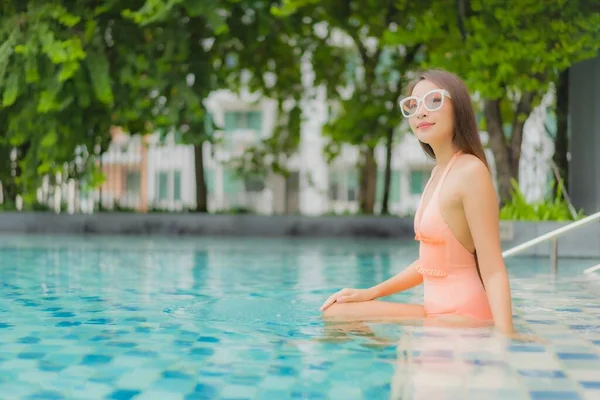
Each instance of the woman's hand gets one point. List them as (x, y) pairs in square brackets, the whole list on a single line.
[(348, 296)]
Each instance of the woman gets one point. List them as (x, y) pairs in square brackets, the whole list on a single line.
[(460, 258)]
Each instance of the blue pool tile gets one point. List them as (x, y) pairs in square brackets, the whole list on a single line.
[(525, 349), (142, 329), (258, 355), (212, 373), (568, 309), (64, 324), (577, 356), (585, 327), (323, 366), (29, 340), (136, 319), (590, 384), (282, 370), (537, 373), (30, 355), (247, 380), (208, 339), (52, 309), (487, 363), (5, 325), (183, 343), (96, 359), (541, 322), (50, 366), (172, 374), (123, 394), (596, 342), (142, 353), (63, 314), (312, 395), (46, 395), (99, 338), (377, 392), (552, 395), (99, 321), (129, 308), (275, 394), (203, 391), (125, 345), (202, 351), (92, 299)]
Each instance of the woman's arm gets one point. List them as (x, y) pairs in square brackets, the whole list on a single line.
[(481, 209), (404, 280), (400, 282)]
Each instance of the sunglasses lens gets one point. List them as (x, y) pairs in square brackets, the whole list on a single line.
[(433, 101)]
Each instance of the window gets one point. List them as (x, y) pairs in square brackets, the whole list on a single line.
[(133, 183), (243, 120), (334, 186), (168, 186), (254, 184), (177, 185), (162, 185), (352, 185), (417, 181), (343, 185)]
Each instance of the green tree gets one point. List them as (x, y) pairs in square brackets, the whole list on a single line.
[(227, 44), (364, 75), (509, 52), (67, 74)]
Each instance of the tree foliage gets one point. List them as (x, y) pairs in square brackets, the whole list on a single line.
[(67, 74), (364, 73), (509, 52)]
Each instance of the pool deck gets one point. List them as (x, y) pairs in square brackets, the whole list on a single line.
[(584, 242)]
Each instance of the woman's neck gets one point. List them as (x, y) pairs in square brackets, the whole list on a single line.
[(443, 153)]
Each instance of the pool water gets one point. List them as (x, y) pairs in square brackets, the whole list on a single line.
[(214, 318)]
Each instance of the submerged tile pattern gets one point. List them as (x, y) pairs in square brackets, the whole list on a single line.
[(229, 319)]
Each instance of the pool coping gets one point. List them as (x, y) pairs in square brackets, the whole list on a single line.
[(581, 243)]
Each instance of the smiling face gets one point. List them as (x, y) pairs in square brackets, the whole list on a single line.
[(432, 127)]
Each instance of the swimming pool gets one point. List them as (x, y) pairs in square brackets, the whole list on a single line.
[(214, 318)]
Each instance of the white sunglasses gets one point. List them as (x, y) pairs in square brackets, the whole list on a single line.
[(432, 101)]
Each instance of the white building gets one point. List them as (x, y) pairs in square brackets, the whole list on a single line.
[(313, 188)]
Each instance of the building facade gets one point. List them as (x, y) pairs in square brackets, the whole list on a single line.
[(158, 174)]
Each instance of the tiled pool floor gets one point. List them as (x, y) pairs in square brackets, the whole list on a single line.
[(238, 319)]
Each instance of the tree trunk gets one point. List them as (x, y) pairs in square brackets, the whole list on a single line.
[(561, 142), (493, 122), (201, 192), (388, 172), (368, 180), (507, 154)]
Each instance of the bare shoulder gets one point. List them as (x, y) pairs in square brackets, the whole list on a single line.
[(474, 177), (471, 166)]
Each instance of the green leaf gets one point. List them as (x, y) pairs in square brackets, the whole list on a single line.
[(49, 139), (98, 68), (67, 70), (11, 91)]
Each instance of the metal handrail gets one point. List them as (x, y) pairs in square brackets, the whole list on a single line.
[(553, 235)]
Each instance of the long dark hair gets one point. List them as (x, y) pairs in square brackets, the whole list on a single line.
[(465, 135)]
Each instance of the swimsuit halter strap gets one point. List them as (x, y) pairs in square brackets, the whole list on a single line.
[(446, 170)]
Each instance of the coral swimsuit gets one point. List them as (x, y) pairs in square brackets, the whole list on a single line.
[(451, 281)]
